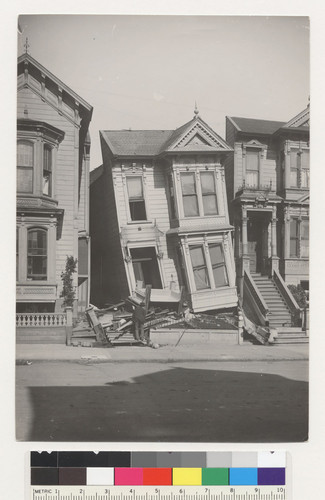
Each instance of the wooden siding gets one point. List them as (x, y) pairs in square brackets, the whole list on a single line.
[(229, 162), (64, 171)]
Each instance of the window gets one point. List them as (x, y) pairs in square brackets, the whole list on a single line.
[(47, 170), (304, 238), (145, 267), (136, 198), (190, 203), (252, 167), (209, 198), (304, 169), (218, 265), (294, 238), (299, 238), (25, 165), (294, 171), (37, 254), (200, 271)]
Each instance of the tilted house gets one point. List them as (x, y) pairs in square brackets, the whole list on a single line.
[(268, 191), (52, 188), (159, 216)]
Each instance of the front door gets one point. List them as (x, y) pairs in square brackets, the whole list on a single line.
[(145, 267), (254, 244)]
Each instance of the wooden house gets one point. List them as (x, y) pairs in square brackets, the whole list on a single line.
[(159, 216), (52, 188), (267, 181)]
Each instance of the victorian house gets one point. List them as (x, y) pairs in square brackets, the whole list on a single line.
[(159, 216), (268, 190), (52, 188)]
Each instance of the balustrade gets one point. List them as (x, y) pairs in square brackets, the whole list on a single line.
[(41, 319)]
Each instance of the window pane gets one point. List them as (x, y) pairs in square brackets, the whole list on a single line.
[(46, 184), (24, 180), (293, 228), (293, 177), (135, 189), (304, 178), (188, 184), (210, 204), (191, 207), (293, 159), (252, 158), (252, 179), (216, 254), (220, 276), (37, 254), (293, 248), (201, 278), (305, 159), (304, 228), (138, 210), (47, 160), (207, 182), (25, 154), (197, 256)]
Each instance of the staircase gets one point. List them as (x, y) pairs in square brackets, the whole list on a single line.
[(279, 313)]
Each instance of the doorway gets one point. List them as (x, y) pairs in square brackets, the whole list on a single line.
[(257, 242), (145, 267)]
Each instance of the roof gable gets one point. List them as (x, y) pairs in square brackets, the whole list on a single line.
[(196, 135), (300, 120)]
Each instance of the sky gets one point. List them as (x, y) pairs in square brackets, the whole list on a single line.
[(147, 72)]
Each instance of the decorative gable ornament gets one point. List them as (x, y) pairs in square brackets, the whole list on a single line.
[(301, 120), (199, 135)]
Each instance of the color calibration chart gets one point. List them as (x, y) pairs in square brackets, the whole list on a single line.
[(158, 475)]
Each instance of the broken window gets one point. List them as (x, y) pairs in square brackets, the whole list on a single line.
[(145, 267), (209, 198), (190, 203), (199, 266), (218, 265), (136, 198)]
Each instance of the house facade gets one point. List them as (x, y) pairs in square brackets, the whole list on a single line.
[(53, 147), (268, 190), (159, 216)]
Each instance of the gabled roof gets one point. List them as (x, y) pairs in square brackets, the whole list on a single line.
[(96, 173), (28, 58), (135, 142), (255, 126), (193, 136), (300, 120)]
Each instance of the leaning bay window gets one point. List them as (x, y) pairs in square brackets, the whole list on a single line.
[(252, 169), (47, 170), (136, 198), (218, 265), (189, 195), (37, 254), (200, 271), (25, 166), (209, 197)]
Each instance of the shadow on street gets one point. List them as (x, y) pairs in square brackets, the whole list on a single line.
[(177, 404)]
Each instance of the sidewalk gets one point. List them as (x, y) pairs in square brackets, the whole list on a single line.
[(165, 354)]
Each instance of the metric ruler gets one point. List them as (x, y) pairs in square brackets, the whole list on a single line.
[(158, 493)]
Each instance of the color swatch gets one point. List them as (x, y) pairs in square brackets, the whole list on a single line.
[(158, 469)]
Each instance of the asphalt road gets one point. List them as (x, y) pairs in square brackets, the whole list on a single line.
[(172, 402)]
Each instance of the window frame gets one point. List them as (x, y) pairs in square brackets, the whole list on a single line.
[(219, 265), (299, 238), (33, 276), (199, 195), (208, 265), (24, 167), (200, 267), (143, 199), (209, 194), (190, 195), (49, 170), (257, 152)]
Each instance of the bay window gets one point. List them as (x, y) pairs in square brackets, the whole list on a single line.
[(304, 169), (136, 198), (25, 166), (189, 195), (209, 268), (37, 254)]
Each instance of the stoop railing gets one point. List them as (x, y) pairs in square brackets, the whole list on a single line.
[(41, 319), (46, 326)]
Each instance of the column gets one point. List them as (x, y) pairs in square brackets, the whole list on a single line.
[(244, 231), (274, 257)]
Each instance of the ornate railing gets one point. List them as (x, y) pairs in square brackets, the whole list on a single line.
[(41, 320), (259, 304)]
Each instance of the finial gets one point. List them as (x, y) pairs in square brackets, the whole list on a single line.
[(196, 111), (26, 45)]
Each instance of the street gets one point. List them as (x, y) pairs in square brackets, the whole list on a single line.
[(253, 401)]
